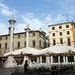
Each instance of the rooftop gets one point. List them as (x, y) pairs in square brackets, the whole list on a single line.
[(42, 32), (61, 23)]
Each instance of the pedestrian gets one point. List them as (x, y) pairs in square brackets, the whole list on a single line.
[(25, 66)]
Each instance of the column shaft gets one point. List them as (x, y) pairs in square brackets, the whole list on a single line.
[(74, 58), (64, 59), (11, 38), (51, 59), (47, 60), (37, 60), (40, 59), (27, 37), (58, 59)]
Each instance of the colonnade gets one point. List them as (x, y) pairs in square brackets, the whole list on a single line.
[(50, 60)]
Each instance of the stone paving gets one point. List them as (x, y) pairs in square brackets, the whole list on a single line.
[(40, 71)]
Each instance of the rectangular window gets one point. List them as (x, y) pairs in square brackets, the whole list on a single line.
[(18, 36), (18, 44), (61, 41), (68, 41), (39, 34), (33, 34), (53, 28), (53, 34), (25, 44), (5, 45), (6, 38), (54, 42), (67, 26), (68, 33), (0, 46), (0, 38), (60, 27), (60, 33), (33, 43), (74, 26), (40, 43)]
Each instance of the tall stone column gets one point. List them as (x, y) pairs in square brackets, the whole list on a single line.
[(40, 59), (47, 60), (27, 36), (58, 59), (12, 22), (10, 62), (64, 61), (37, 59), (51, 59), (74, 58)]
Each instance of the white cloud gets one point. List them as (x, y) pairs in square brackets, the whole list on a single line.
[(5, 10), (33, 20), (3, 29), (36, 23)]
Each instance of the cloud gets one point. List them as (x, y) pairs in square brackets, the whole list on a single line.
[(61, 11), (3, 28), (35, 22), (5, 10)]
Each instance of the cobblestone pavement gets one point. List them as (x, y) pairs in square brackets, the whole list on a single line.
[(40, 71)]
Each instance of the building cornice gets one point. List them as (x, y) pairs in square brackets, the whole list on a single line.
[(60, 23), (31, 31)]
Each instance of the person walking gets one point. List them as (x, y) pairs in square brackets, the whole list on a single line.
[(25, 66)]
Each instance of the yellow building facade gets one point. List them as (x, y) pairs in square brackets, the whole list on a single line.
[(36, 40), (62, 33)]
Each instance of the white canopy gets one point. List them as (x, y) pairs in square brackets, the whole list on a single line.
[(28, 50), (59, 49), (53, 49)]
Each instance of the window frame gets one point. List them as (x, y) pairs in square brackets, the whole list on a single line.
[(60, 27), (67, 26), (53, 28)]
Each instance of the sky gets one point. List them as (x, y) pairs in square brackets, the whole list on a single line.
[(35, 13)]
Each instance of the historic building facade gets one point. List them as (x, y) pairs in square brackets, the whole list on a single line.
[(62, 33), (36, 40)]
